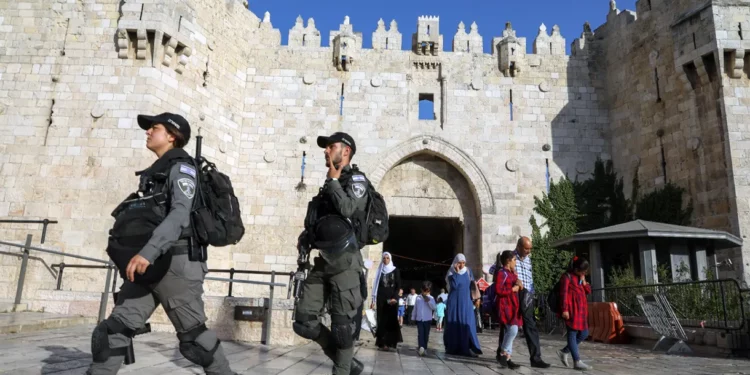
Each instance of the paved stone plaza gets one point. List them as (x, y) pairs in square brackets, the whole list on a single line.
[(66, 351)]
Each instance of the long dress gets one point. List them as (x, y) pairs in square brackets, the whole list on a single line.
[(388, 331), (460, 332)]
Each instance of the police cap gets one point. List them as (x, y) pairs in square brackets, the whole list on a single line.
[(173, 122), (344, 138)]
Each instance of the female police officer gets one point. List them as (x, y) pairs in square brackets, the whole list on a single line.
[(149, 243)]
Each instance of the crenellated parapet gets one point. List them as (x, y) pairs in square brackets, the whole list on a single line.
[(549, 45), (301, 36), (581, 47), (471, 42), (386, 40)]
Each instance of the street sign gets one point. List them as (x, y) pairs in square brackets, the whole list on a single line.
[(482, 284)]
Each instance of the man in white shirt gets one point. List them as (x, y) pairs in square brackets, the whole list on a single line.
[(411, 299)]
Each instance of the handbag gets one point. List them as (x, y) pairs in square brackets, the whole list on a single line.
[(475, 293), (369, 323)]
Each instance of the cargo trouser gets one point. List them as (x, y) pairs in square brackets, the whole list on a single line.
[(180, 294), (338, 281)]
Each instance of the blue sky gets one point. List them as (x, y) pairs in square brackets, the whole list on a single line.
[(490, 16)]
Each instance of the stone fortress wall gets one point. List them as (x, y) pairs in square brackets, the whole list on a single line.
[(74, 75)]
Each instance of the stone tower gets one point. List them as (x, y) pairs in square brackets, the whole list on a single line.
[(427, 40)]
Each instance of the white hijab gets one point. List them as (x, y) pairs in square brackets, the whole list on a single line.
[(383, 269), (459, 258)]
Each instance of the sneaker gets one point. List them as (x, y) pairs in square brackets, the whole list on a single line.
[(579, 365), (513, 366), (421, 351), (563, 358)]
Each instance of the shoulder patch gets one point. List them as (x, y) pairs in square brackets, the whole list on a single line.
[(359, 190), (188, 170), (187, 187), (358, 177)]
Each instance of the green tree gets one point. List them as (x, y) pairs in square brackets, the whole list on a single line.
[(601, 200), (560, 212), (664, 205)]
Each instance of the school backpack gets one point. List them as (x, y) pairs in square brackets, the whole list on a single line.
[(216, 211), (553, 298), (492, 294)]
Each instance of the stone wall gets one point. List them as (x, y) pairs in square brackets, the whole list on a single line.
[(666, 87), (75, 75)]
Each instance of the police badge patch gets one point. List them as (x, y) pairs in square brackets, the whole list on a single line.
[(359, 190), (187, 186)]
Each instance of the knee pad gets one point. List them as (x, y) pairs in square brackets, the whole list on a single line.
[(307, 330), (100, 349), (342, 331), (199, 345)]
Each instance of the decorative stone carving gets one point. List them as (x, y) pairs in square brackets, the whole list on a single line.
[(477, 82), (183, 60), (546, 147), (223, 147), (694, 143), (303, 140), (582, 167), (122, 43), (202, 117), (376, 82), (544, 86), (736, 63), (270, 156), (169, 52), (309, 78), (141, 44), (511, 165), (97, 111)]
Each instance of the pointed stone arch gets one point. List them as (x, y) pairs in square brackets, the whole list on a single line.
[(478, 183)]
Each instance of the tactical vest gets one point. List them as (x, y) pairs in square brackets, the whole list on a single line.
[(140, 213), (321, 207)]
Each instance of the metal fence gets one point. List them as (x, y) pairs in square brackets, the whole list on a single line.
[(111, 277), (717, 304)]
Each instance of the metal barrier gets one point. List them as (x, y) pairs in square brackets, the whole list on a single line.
[(714, 304)]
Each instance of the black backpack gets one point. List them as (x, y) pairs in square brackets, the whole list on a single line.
[(376, 219), (553, 298), (216, 215)]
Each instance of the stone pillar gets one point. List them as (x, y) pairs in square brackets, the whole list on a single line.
[(647, 253), (597, 270), (701, 261), (679, 257)]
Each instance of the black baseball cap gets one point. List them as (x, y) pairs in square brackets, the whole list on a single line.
[(344, 138), (174, 122)]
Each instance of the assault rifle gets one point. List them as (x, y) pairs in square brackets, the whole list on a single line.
[(196, 251), (298, 277)]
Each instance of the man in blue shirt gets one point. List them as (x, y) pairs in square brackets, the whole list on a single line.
[(526, 301)]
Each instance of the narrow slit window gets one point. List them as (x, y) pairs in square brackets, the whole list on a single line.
[(695, 45), (304, 40), (426, 107), (692, 74), (550, 48), (386, 43), (656, 78), (468, 46), (710, 64), (428, 29), (739, 26), (649, 4), (511, 105)]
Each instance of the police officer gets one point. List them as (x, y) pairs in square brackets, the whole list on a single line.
[(333, 229), (158, 272)]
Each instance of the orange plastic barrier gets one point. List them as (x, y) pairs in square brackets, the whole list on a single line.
[(605, 323)]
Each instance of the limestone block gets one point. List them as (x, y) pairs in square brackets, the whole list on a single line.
[(122, 43), (141, 45)]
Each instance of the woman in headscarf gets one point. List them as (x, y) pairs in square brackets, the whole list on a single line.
[(460, 332), (385, 297)]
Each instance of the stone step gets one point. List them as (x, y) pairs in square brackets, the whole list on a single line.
[(22, 322)]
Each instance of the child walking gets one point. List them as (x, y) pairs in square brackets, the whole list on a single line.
[(401, 307), (575, 310), (422, 315), (509, 316), (440, 313)]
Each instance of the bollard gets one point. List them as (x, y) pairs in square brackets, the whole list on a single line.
[(22, 274), (105, 294), (231, 277), (60, 275), (269, 311)]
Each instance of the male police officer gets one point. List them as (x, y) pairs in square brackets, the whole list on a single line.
[(332, 226), (159, 272)]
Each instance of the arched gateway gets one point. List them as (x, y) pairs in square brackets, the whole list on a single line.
[(436, 197)]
